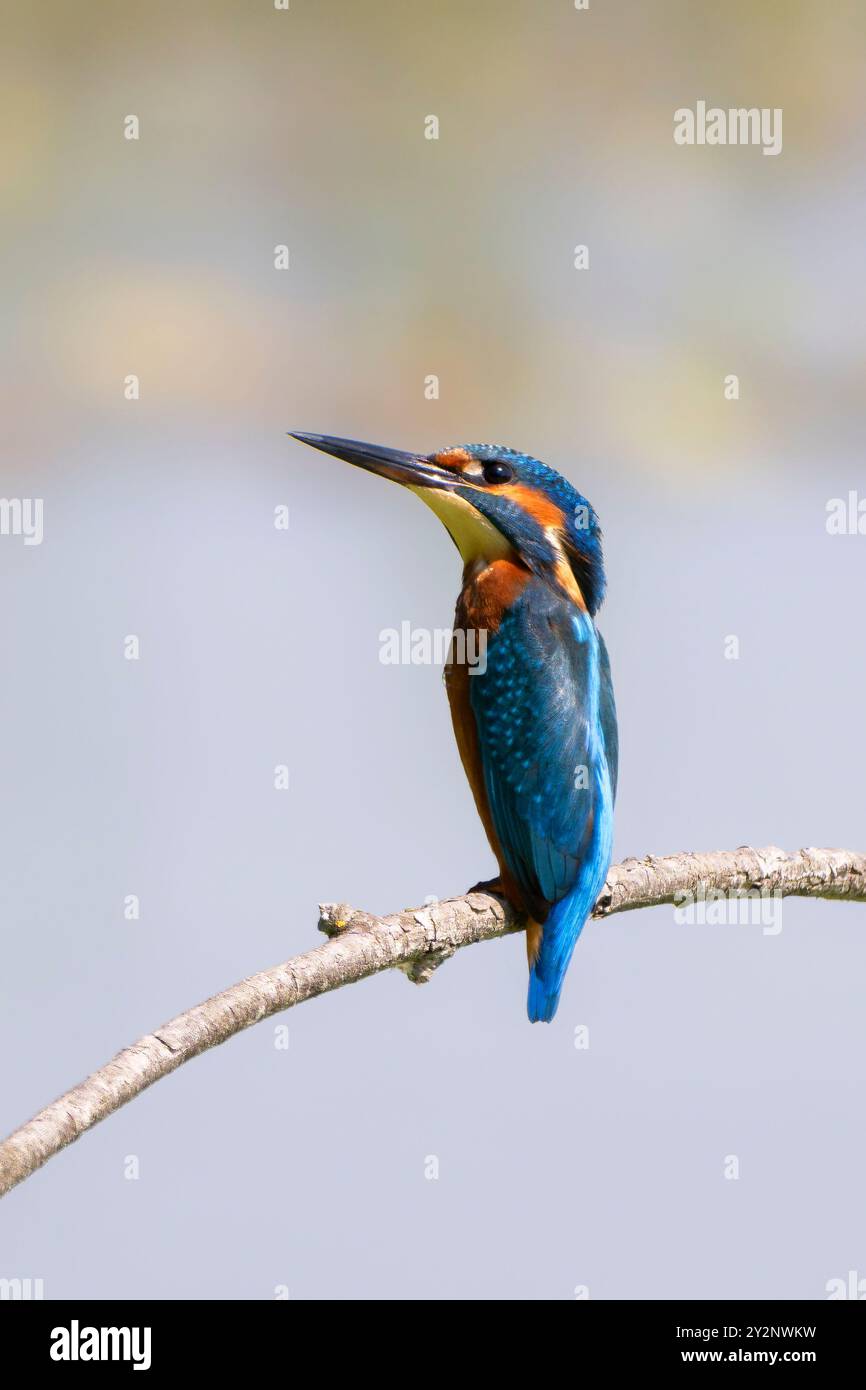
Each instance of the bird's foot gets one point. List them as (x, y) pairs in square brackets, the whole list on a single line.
[(489, 885)]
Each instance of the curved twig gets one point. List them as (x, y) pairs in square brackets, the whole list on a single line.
[(415, 941)]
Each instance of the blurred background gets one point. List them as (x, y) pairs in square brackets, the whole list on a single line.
[(262, 1168)]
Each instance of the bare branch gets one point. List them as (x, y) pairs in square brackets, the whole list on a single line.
[(415, 941)]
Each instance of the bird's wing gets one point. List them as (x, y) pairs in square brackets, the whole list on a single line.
[(546, 729), (607, 714)]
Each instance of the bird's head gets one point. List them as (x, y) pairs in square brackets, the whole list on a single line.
[(496, 503)]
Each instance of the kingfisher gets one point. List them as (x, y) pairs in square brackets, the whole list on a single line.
[(535, 719)]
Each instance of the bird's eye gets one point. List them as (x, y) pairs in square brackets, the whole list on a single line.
[(497, 472)]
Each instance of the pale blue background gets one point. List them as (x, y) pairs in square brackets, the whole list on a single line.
[(558, 1167)]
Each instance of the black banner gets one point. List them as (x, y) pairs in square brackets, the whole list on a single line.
[(156, 1339)]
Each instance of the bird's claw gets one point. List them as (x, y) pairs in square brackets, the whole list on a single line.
[(489, 885)]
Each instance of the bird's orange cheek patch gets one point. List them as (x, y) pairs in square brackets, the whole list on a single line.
[(535, 504)]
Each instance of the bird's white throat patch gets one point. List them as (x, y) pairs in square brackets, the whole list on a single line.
[(475, 537)]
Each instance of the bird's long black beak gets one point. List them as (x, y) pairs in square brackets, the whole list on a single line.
[(413, 470)]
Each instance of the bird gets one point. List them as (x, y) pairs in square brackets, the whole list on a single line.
[(535, 719)]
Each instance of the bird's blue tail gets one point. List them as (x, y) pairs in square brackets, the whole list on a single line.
[(563, 926), (543, 1000)]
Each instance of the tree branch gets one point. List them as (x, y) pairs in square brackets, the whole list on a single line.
[(415, 941)]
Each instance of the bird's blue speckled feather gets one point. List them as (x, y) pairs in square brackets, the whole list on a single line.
[(546, 724)]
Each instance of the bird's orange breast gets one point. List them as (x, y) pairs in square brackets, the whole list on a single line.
[(487, 595)]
